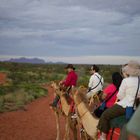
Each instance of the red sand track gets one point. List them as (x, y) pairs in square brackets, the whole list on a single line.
[(2, 78), (37, 123)]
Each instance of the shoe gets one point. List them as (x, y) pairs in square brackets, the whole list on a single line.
[(74, 116), (52, 105), (102, 138)]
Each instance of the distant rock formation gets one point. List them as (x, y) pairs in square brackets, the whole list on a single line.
[(27, 60)]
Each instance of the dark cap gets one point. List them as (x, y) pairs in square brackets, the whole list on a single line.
[(70, 66)]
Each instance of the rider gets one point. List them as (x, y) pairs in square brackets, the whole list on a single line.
[(69, 81), (126, 95), (109, 95), (95, 82)]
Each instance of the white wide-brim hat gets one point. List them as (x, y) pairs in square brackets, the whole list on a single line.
[(132, 68)]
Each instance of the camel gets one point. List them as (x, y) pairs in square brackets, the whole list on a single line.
[(88, 121), (94, 102), (65, 111)]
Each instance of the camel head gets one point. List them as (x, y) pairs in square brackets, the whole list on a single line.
[(54, 84), (56, 87), (80, 95)]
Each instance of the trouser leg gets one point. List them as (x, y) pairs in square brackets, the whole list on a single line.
[(113, 112), (56, 100)]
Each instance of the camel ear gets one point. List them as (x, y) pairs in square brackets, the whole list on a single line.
[(53, 84)]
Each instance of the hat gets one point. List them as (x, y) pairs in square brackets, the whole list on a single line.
[(70, 66), (132, 68)]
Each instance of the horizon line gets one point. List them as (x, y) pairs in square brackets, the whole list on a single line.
[(98, 59)]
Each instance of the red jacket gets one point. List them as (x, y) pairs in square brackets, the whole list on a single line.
[(71, 79)]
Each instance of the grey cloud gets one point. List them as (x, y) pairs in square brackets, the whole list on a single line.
[(126, 6), (69, 27)]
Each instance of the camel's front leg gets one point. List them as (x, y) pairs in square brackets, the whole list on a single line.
[(67, 128), (73, 123), (57, 126)]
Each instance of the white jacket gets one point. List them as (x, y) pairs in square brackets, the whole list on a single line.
[(95, 80), (127, 91)]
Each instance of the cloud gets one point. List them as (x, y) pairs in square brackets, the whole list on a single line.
[(125, 6), (70, 28)]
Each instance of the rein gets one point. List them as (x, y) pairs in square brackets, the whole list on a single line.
[(80, 116)]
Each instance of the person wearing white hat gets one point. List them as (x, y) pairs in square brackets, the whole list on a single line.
[(126, 97)]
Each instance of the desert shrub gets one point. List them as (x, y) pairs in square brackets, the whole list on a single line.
[(107, 76), (34, 91), (56, 77), (27, 78), (83, 81), (9, 98), (6, 89), (23, 95), (30, 98), (1, 103)]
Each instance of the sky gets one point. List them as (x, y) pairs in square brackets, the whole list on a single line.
[(71, 31)]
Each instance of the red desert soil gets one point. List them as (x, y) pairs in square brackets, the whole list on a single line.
[(37, 123), (2, 78)]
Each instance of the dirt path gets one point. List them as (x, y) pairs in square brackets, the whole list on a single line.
[(37, 123), (2, 78)]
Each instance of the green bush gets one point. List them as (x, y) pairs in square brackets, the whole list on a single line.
[(83, 81), (6, 89), (1, 103), (25, 80), (9, 98), (20, 97)]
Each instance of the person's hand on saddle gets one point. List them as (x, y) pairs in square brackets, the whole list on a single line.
[(62, 86), (117, 100)]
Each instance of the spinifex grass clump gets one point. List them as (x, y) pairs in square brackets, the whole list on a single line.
[(19, 97)]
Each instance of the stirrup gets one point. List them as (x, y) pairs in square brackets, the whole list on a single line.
[(74, 116), (82, 130)]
